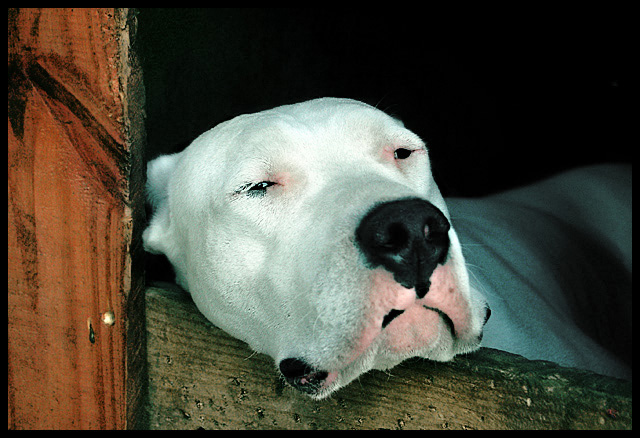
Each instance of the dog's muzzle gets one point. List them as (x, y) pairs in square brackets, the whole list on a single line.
[(406, 237)]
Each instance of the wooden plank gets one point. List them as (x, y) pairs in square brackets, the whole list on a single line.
[(74, 170), (200, 377)]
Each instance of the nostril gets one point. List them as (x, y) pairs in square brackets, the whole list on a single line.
[(398, 236), (391, 239), (292, 368)]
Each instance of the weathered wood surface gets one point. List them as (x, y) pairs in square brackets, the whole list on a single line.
[(75, 192), (200, 377)]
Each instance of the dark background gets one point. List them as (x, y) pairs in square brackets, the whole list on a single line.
[(502, 97)]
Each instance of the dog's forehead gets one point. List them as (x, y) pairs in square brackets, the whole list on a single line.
[(320, 124), (316, 136)]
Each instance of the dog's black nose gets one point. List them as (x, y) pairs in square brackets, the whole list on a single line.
[(301, 375), (407, 237)]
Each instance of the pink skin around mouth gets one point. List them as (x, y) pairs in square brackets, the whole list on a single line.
[(417, 327)]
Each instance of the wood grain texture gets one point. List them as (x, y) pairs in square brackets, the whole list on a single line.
[(200, 377), (72, 207)]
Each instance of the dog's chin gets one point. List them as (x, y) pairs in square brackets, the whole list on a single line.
[(320, 384), (334, 381), (340, 377)]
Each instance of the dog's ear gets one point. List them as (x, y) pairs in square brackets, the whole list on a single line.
[(159, 172), (156, 238)]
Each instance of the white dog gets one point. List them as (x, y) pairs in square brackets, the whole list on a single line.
[(316, 233)]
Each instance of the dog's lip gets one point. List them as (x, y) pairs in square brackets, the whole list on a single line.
[(445, 318), (313, 383), (425, 303)]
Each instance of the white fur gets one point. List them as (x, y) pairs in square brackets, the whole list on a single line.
[(554, 262), (282, 271)]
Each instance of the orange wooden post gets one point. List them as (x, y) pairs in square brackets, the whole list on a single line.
[(75, 190)]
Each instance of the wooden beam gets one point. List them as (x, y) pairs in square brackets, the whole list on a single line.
[(200, 377), (75, 197)]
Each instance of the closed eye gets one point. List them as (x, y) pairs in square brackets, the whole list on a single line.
[(257, 189)]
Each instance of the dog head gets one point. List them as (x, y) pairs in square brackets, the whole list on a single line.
[(316, 233)]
